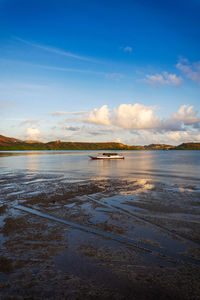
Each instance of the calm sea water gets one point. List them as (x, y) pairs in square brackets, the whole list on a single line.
[(162, 165)]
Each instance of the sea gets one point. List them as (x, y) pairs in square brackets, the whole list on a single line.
[(169, 166)]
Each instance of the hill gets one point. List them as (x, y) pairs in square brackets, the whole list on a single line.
[(6, 140), (15, 144), (188, 146), (158, 147), (7, 143)]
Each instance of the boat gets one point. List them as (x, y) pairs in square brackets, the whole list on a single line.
[(108, 156)]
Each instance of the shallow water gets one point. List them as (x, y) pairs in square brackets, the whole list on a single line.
[(162, 165), (112, 228)]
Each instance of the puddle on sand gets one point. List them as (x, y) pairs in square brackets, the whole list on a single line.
[(86, 255), (35, 181), (33, 193), (16, 193), (70, 205), (148, 230)]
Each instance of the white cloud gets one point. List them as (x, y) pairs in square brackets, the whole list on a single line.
[(187, 115), (136, 116), (128, 49), (141, 117), (163, 79), (99, 116), (183, 136), (132, 124), (32, 133), (191, 70), (145, 137)]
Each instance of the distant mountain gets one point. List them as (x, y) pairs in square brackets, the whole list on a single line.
[(158, 147), (7, 143), (188, 146)]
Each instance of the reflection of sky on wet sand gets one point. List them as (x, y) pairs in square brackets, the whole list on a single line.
[(137, 187)]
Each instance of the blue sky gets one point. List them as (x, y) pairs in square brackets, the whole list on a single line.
[(92, 70)]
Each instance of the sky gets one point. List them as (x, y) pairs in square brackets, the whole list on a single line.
[(100, 70)]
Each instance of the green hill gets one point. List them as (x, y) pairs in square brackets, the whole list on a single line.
[(158, 147), (188, 146), (7, 144)]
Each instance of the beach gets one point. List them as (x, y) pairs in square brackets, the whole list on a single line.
[(67, 234)]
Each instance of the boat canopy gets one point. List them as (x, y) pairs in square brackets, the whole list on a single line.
[(108, 154)]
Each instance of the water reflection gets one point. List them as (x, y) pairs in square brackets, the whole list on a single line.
[(145, 164), (32, 162)]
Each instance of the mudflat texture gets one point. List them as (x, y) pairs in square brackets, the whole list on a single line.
[(103, 238)]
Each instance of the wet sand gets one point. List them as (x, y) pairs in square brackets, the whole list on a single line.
[(98, 238)]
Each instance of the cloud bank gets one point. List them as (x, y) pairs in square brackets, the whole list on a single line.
[(141, 117)]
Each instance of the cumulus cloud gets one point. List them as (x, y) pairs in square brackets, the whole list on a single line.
[(187, 115), (99, 116), (135, 116), (33, 132), (141, 117), (134, 121), (163, 79), (191, 70)]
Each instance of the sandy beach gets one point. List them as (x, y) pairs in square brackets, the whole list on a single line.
[(98, 238)]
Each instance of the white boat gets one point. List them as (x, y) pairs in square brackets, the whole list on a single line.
[(108, 156)]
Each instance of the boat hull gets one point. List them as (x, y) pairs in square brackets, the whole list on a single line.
[(105, 158)]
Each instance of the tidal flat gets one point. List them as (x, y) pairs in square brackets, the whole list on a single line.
[(98, 238)]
